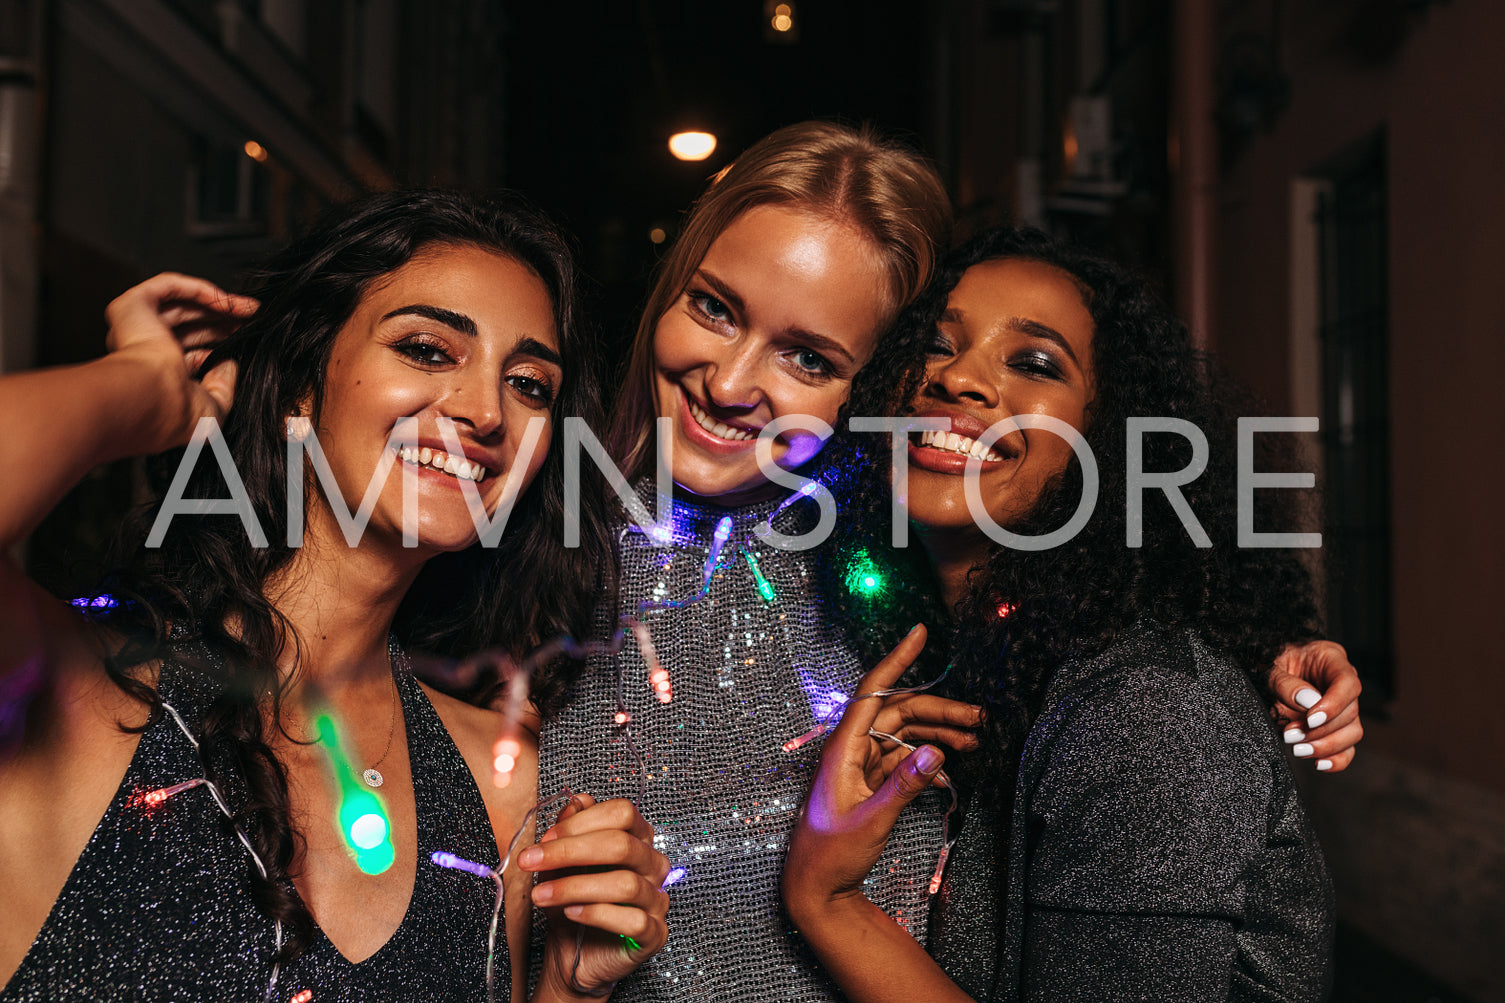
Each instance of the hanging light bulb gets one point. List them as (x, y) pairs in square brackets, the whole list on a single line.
[(692, 145)]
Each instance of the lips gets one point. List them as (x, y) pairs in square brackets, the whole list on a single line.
[(706, 431), (456, 465), (952, 452)]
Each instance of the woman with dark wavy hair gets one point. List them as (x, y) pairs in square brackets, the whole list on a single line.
[(1133, 831), (176, 798)]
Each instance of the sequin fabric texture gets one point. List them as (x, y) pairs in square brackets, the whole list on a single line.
[(749, 673), (1158, 846), (157, 906)]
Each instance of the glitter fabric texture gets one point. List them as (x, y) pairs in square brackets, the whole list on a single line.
[(749, 673), (157, 906), (1158, 848)]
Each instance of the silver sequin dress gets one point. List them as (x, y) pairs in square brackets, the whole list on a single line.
[(749, 673), (157, 907)]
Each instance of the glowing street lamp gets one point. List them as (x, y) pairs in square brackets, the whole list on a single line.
[(692, 145)]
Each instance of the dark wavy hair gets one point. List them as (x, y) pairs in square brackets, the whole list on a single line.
[(1072, 601), (206, 582)]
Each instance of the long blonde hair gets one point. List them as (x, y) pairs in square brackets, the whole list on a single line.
[(848, 175)]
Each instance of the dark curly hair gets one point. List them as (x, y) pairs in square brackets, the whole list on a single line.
[(1071, 601), (205, 583)]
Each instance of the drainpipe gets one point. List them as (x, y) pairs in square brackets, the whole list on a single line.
[(1193, 160)]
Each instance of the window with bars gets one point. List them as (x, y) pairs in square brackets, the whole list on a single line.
[(1355, 390)]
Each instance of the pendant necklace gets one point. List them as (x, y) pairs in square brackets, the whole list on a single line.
[(371, 774)]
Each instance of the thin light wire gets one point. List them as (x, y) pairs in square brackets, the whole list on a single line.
[(219, 800), (453, 862)]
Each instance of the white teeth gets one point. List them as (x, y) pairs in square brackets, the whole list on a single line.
[(953, 443), (436, 459), (719, 429)]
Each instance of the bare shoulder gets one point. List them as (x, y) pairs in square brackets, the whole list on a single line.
[(472, 728)]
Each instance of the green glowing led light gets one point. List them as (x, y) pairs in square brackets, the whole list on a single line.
[(863, 576), (632, 944), (363, 818), (765, 587)]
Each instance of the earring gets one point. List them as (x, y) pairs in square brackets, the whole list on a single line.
[(299, 428)]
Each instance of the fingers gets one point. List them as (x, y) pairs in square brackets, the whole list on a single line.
[(647, 929), (611, 848), (574, 806), (170, 287), (957, 739), (169, 302), (905, 712), (903, 785), (1314, 683), (887, 672), (628, 889), (859, 714), (1336, 763), (1332, 745), (583, 815), (880, 770)]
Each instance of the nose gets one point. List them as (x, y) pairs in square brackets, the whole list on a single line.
[(962, 378), (475, 400), (732, 381)]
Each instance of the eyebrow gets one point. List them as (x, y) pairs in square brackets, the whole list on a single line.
[(538, 350), (816, 341), (449, 318), (1023, 325), (459, 322)]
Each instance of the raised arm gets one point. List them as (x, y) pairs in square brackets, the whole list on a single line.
[(140, 398), (841, 833)]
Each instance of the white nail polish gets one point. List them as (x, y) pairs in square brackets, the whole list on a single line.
[(1294, 735), (1302, 751), (1317, 720), (1308, 698), (1324, 765)]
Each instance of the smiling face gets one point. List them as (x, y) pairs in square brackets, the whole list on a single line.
[(1016, 339), (457, 333), (778, 318)]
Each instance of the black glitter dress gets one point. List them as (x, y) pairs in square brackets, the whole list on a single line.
[(157, 906), (1157, 848)]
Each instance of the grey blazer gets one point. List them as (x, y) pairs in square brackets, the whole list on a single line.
[(1157, 850)]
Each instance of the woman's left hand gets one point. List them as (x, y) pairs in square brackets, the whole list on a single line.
[(602, 879), (846, 820), (1317, 702)]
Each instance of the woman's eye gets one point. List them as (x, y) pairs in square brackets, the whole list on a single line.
[(427, 353), (1038, 365), (938, 344), (529, 387), (811, 362), (711, 307)]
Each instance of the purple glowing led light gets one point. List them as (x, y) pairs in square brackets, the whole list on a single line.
[(460, 864), (673, 876)]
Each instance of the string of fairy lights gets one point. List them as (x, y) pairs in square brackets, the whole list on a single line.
[(366, 826)]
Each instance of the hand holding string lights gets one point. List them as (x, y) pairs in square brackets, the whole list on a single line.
[(844, 809)]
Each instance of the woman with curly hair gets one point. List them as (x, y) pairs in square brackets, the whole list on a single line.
[(181, 815), (1133, 831)]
